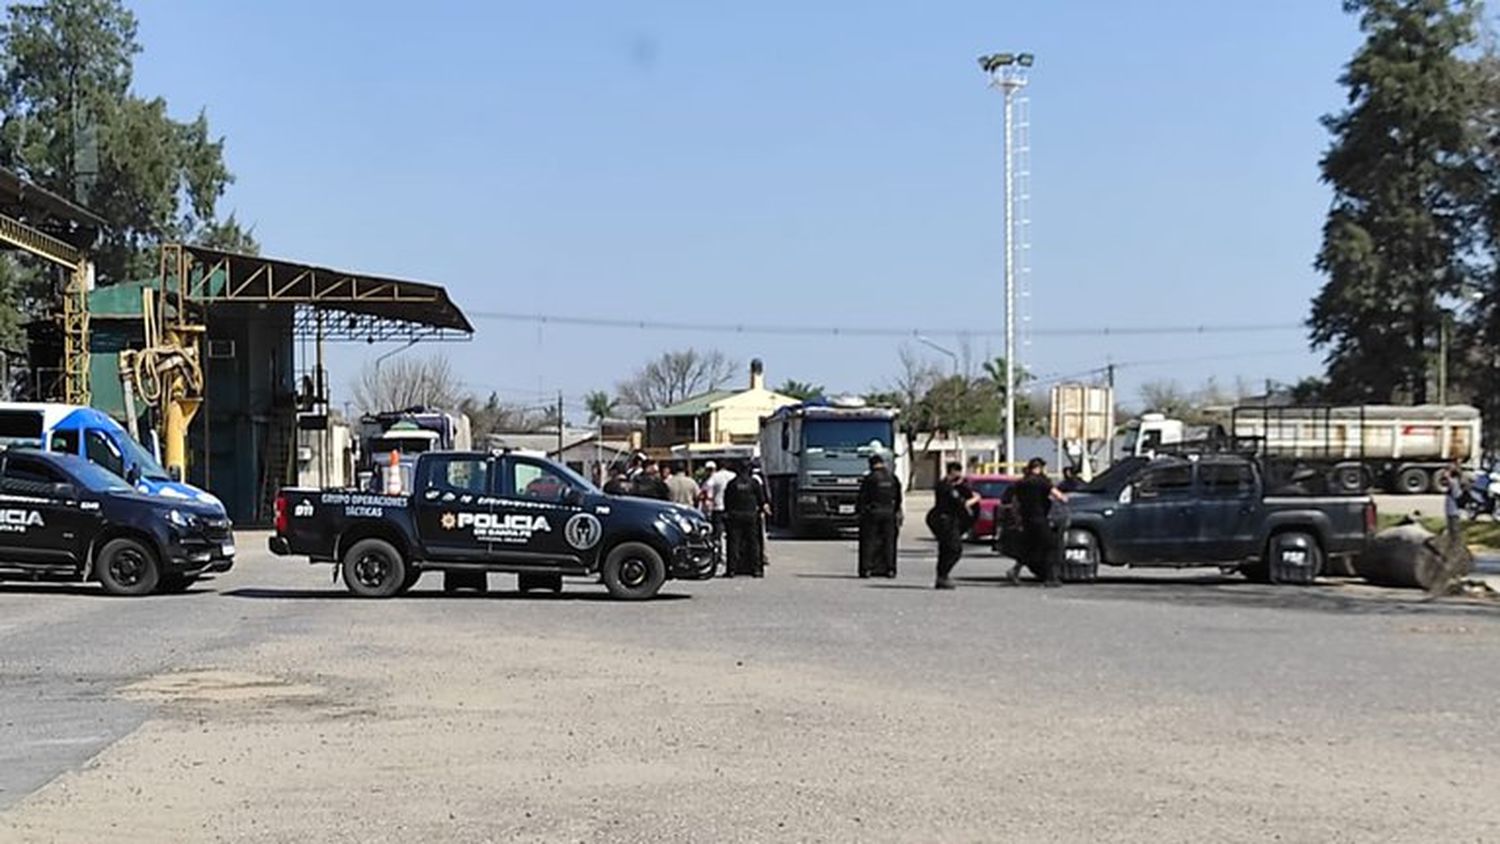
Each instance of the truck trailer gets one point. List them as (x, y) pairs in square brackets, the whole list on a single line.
[(1352, 449), (814, 455)]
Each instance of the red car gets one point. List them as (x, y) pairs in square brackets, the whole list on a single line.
[(990, 488)]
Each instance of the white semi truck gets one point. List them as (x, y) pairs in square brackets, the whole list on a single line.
[(814, 454), (1350, 449)]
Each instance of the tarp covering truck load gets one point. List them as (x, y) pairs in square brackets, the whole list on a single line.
[(1352, 449)]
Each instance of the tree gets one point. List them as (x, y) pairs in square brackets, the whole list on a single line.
[(72, 125), (673, 377), (600, 405), (800, 390), (1407, 192), (407, 382), (1167, 398)]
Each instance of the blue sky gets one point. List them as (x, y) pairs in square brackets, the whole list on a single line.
[(781, 162)]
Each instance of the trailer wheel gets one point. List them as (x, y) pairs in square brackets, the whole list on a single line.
[(373, 568), (1349, 478), (1294, 557), (1411, 480), (1440, 480), (633, 571)]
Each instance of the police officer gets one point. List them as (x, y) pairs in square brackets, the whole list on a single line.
[(648, 483), (950, 516), (745, 502), (1035, 496), (879, 520), (619, 481)]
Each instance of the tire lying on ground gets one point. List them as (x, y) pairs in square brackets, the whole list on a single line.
[(1410, 557)]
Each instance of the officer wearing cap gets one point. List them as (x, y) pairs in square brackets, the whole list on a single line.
[(879, 520)]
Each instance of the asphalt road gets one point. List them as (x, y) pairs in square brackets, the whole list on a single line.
[(810, 705)]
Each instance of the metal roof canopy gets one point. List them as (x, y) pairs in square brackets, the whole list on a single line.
[(47, 212), (349, 306)]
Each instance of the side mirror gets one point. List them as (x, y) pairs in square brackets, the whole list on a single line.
[(65, 491), (133, 474), (572, 497), (1127, 494)]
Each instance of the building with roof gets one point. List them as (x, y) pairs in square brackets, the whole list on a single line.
[(266, 322), (715, 418)]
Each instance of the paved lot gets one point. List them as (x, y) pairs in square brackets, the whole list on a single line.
[(807, 706)]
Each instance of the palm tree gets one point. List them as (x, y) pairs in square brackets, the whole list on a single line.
[(800, 390), (601, 405)]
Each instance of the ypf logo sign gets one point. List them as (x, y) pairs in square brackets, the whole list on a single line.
[(583, 531)]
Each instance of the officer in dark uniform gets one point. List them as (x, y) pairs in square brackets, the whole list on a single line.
[(951, 515), (879, 520), (649, 484), (619, 482), (745, 502)]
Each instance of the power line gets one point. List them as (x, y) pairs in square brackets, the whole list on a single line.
[(870, 331)]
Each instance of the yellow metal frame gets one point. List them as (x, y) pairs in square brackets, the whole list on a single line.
[(75, 300)]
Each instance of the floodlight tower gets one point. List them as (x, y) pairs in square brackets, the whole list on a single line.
[(1008, 73)]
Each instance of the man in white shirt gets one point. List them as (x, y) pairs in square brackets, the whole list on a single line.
[(713, 499)]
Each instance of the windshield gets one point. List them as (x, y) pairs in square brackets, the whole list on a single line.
[(991, 489), (846, 433), (1114, 478), (96, 478), (137, 455)]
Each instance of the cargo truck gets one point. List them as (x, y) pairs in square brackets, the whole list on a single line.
[(1348, 450), (814, 455)]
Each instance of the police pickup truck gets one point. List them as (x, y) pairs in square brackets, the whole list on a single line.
[(471, 513), (64, 518), (1214, 509)]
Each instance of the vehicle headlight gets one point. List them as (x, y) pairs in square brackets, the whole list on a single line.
[(181, 519), (683, 523)]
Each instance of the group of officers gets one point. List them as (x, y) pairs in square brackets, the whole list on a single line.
[(1026, 529), (735, 498), (738, 503)]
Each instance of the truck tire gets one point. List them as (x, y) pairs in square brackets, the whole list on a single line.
[(1411, 480), (127, 567), (373, 568), (1087, 569), (1348, 479), (1294, 557), (633, 571), (1440, 480), (454, 581)]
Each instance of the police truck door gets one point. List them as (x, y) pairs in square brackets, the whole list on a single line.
[(535, 517), (453, 507), (42, 520)]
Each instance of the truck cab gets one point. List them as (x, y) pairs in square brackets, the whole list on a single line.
[(814, 456), (474, 513)]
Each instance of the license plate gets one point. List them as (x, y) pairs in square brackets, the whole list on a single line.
[(846, 509), (1077, 555), (228, 549)]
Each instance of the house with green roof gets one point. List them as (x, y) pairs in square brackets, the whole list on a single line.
[(717, 417)]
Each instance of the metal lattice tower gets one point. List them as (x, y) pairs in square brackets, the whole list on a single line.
[(1021, 215)]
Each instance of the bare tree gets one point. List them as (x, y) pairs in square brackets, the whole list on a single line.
[(673, 377), (407, 382), (1166, 397)]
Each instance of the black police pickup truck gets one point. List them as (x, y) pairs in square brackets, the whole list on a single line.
[(1216, 509), (473, 513), (63, 518)]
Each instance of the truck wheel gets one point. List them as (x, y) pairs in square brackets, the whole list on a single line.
[(1411, 480), (1348, 478), (634, 571), (373, 568), (1440, 480), (127, 567), (175, 584), (1080, 544), (1294, 557), (453, 581)]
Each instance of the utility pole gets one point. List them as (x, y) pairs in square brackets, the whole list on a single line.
[(1008, 73), (559, 426), (1443, 362), (1109, 375)]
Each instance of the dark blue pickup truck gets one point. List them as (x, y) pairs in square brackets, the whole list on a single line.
[(473, 513), (1215, 510)]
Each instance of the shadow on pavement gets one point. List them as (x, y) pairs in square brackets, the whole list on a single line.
[(341, 595), (87, 590)]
